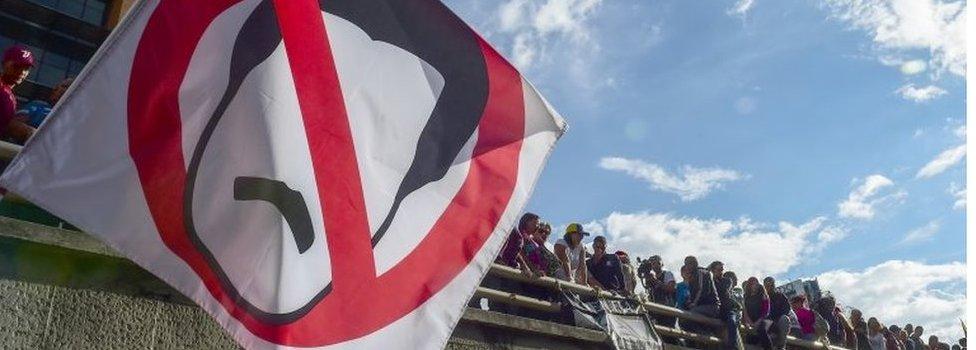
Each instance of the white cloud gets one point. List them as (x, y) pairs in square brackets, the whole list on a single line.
[(741, 8), (919, 95), (827, 236), (536, 26), (960, 132), (523, 50), (511, 15), (942, 162), (745, 247), (959, 194), (899, 292), (863, 201), (565, 17), (913, 67), (923, 233), (897, 26), (693, 183)]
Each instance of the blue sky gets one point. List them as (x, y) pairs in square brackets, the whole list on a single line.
[(792, 138)]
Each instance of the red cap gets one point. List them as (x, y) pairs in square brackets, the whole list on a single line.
[(19, 55)]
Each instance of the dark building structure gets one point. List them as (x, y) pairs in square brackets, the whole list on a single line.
[(62, 34)]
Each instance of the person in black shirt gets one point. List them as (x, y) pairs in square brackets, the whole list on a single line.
[(704, 297), (660, 283), (779, 313), (860, 329), (605, 268), (729, 310)]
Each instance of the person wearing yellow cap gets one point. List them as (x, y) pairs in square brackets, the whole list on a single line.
[(572, 255)]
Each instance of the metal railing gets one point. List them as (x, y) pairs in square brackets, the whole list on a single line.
[(556, 285)]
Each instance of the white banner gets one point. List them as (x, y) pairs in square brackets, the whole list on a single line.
[(334, 175)]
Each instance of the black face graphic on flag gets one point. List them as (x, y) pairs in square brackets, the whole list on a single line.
[(449, 56)]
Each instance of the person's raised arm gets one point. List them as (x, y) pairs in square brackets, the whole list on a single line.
[(590, 281), (523, 265), (583, 273), (20, 131), (563, 260), (14, 128)]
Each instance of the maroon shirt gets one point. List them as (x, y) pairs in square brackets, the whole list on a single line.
[(510, 250), (8, 107)]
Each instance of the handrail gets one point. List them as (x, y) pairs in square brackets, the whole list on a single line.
[(654, 308), (517, 300), (552, 307), (557, 284)]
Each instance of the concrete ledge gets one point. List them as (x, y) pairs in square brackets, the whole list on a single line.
[(65, 289), (53, 236)]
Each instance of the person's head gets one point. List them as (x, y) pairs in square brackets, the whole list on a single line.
[(933, 341), (686, 273), (894, 329), (827, 304), (753, 287), (692, 261), (58, 90), (798, 302), (918, 332), (909, 328), (731, 276), (542, 234), (716, 268), (962, 342), (874, 325), (622, 255), (599, 245), (770, 284), (528, 224), (655, 262), (574, 235), (902, 335), (856, 315), (17, 63)]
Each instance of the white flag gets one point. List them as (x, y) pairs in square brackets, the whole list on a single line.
[(334, 174)]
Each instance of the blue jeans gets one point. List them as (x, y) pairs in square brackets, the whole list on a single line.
[(732, 320)]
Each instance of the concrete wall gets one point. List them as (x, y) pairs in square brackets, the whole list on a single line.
[(64, 290)]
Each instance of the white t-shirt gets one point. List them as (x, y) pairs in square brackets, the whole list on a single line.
[(574, 255)]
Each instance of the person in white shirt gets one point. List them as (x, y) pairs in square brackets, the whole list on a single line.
[(572, 255)]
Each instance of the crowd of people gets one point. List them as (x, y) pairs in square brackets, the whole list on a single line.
[(712, 291)]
